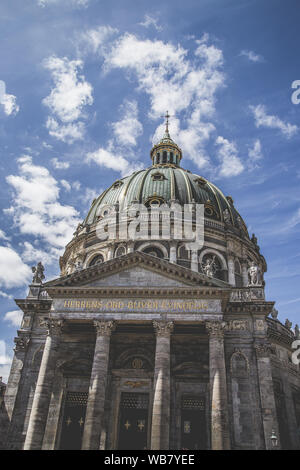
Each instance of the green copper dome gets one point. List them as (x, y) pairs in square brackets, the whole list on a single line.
[(165, 181)]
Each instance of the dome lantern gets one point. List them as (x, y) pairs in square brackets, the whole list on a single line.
[(166, 151)]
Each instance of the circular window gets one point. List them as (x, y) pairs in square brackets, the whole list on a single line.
[(209, 211)]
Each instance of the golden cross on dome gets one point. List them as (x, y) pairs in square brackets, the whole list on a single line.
[(167, 116)]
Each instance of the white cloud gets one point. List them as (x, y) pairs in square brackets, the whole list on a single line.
[(5, 295), (293, 221), (14, 317), (13, 272), (59, 165), (89, 195), (273, 122), (33, 255), (5, 361), (108, 159), (175, 83), (231, 165), (3, 235), (79, 3), (71, 91), (151, 21), (8, 103), (129, 128), (66, 132), (252, 56), (69, 186), (36, 208), (67, 99), (255, 155), (95, 39)]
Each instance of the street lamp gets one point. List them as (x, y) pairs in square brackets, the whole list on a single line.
[(274, 439)]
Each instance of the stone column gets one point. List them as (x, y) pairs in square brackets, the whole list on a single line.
[(231, 275), (12, 388), (173, 253), (97, 390), (194, 260), (161, 401), (266, 389), (13, 394), (220, 439), (42, 394), (130, 247), (110, 253), (245, 274)]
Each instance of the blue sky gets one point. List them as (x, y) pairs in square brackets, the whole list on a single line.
[(83, 86)]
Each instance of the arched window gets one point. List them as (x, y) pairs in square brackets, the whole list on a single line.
[(164, 157), (98, 259), (183, 253), (157, 157), (120, 251), (153, 251), (171, 157)]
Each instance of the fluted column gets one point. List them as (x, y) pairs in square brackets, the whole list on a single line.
[(220, 439), (42, 394), (97, 390), (161, 402)]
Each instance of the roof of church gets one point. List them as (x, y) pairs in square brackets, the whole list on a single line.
[(163, 183)]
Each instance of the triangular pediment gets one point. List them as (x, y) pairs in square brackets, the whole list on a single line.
[(136, 270)]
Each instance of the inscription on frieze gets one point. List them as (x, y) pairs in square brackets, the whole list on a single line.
[(138, 305)]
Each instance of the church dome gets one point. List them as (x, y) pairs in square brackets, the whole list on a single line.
[(163, 182)]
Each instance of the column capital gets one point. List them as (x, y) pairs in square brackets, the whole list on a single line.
[(104, 327), (53, 326), (216, 328), (163, 328), (21, 343)]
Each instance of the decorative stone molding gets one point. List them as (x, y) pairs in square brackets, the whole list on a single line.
[(163, 328), (21, 343), (247, 295), (216, 328), (53, 327), (26, 322), (104, 328), (262, 349), (238, 352), (240, 325), (260, 325)]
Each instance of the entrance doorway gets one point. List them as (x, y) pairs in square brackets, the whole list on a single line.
[(73, 421), (193, 423), (133, 423)]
